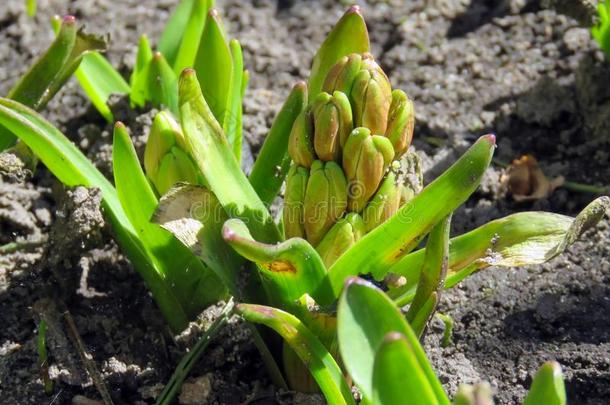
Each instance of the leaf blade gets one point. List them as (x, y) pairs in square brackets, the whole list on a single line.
[(322, 366), (348, 36), (385, 245)]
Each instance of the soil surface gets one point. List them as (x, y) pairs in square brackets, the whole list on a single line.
[(532, 76)]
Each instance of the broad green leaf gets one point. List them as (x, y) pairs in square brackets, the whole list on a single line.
[(100, 80), (49, 73), (365, 316), (209, 148), (273, 160), (520, 239), (196, 286), (162, 84), (397, 375), (290, 269), (311, 351), (348, 36), (232, 124), (72, 168), (432, 276), (396, 237), (139, 77), (547, 387), (191, 35), (214, 65)]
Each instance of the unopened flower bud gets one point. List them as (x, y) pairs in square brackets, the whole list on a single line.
[(332, 117), (384, 204), (343, 235), (401, 121), (300, 143), (176, 166), (294, 198), (365, 160), (325, 199)]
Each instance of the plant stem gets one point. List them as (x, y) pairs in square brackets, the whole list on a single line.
[(448, 333), (190, 359)]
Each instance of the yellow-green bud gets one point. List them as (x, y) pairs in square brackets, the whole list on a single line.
[(341, 76), (300, 143), (384, 204), (365, 160), (401, 121), (343, 235), (367, 87), (294, 198), (332, 117), (325, 199), (176, 166)]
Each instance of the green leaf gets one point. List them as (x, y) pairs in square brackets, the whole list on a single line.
[(139, 76), (162, 84), (209, 148), (516, 240), (348, 36), (232, 124), (30, 7), (196, 286), (310, 350), (397, 376), (273, 161), (396, 237), (547, 387), (432, 277), (214, 65), (191, 35), (290, 269), (100, 80), (49, 73), (72, 168), (365, 317), (172, 35)]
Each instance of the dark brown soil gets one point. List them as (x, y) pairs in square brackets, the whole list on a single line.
[(532, 76)]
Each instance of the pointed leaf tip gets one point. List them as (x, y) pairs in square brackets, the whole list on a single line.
[(119, 125), (355, 9), (491, 138)]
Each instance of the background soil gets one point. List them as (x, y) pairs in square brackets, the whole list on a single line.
[(510, 67)]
